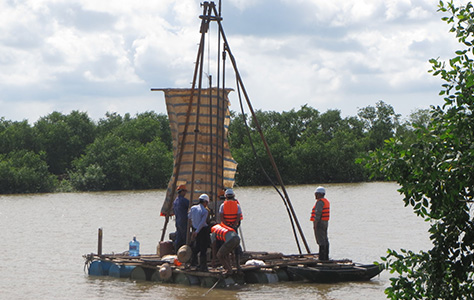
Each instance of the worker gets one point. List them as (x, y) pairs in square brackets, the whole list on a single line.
[(180, 209), (200, 237), (230, 212), (320, 219), (221, 195), (226, 240)]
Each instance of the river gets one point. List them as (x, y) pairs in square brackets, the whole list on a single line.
[(45, 235)]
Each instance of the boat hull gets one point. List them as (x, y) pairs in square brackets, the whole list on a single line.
[(334, 273)]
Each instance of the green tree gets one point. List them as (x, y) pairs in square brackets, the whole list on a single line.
[(381, 123), (64, 138), (282, 131), (294, 125), (24, 171), (436, 179), (110, 123), (144, 128), (419, 118), (328, 149), (311, 161), (250, 164), (104, 155), (88, 178), (17, 136), (237, 131), (330, 123), (111, 163), (307, 147)]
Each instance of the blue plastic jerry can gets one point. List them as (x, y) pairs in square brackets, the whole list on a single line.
[(134, 247)]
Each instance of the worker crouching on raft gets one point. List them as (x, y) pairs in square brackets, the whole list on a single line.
[(228, 240)]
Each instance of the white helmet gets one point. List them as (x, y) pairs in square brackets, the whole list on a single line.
[(229, 192), (204, 197), (320, 190)]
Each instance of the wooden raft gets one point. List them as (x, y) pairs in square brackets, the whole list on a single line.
[(146, 267)]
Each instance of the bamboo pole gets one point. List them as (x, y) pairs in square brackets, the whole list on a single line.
[(183, 139), (199, 66), (277, 173), (99, 242)]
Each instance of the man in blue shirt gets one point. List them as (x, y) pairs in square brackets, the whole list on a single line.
[(200, 236), (180, 209)]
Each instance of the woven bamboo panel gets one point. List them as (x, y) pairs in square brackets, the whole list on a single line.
[(199, 127)]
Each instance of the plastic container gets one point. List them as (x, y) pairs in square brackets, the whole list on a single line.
[(166, 248), (134, 247)]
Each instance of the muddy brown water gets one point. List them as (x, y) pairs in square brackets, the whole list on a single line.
[(44, 237)]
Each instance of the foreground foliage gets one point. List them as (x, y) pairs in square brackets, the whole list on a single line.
[(436, 179)]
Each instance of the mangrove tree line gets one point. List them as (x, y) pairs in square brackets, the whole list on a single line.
[(73, 153)]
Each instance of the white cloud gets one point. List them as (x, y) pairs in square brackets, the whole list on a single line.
[(341, 54), (339, 12), (243, 5), (397, 8)]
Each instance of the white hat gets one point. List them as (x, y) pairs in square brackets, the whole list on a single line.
[(204, 197), (229, 192), (165, 271), (184, 253), (320, 189)]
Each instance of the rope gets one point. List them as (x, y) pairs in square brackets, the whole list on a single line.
[(89, 259), (208, 291), (263, 169)]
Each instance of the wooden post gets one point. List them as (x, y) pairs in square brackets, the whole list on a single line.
[(99, 243)]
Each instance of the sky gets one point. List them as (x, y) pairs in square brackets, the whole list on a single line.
[(105, 56)]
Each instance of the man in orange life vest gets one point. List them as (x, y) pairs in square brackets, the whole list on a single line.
[(320, 218), (230, 212), (228, 240)]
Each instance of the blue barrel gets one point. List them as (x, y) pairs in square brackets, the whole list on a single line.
[(106, 267), (282, 275), (95, 268), (182, 278), (120, 271), (272, 277), (260, 277), (100, 268), (140, 273)]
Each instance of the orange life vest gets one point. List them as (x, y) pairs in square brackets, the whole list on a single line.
[(230, 212), (241, 215), (325, 213), (221, 230)]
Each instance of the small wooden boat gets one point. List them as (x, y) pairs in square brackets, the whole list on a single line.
[(332, 272)]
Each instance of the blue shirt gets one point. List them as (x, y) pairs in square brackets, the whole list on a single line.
[(180, 209), (198, 216)]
